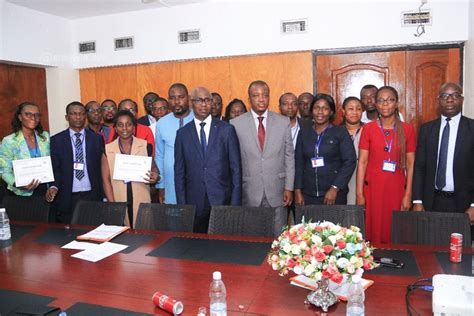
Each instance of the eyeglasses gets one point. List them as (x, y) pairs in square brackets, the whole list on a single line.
[(203, 100), (108, 108), (388, 100), (160, 109), (94, 111), (454, 95), (32, 115)]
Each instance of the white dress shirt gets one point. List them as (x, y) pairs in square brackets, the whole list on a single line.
[(453, 133), (207, 127), (294, 133), (264, 121)]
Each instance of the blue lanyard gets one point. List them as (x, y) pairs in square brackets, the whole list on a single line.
[(35, 152), (388, 146), (320, 138)]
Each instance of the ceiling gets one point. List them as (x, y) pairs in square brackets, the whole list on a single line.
[(75, 9)]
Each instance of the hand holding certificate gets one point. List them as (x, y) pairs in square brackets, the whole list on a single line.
[(132, 168), (28, 170)]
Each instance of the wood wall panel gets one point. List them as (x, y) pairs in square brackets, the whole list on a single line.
[(19, 84), (230, 76)]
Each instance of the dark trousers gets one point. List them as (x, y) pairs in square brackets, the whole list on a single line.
[(65, 217), (445, 202), (201, 219), (341, 199)]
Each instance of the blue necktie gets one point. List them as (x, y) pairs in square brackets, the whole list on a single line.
[(181, 122), (79, 156), (202, 134), (443, 157)]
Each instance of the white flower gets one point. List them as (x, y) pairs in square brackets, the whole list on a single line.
[(356, 278), (295, 249), (332, 239), (316, 240), (298, 269), (303, 245), (349, 232), (287, 248), (318, 276), (342, 263), (350, 268), (309, 269), (359, 236), (336, 228), (274, 266), (274, 258)]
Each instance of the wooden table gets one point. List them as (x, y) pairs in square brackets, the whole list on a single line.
[(128, 281)]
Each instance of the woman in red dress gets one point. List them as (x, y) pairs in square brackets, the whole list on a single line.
[(385, 169)]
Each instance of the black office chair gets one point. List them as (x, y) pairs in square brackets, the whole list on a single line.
[(429, 228), (345, 215), (247, 221), (97, 213), (171, 217), (23, 208)]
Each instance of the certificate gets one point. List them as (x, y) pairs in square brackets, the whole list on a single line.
[(131, 168), (27, 170)]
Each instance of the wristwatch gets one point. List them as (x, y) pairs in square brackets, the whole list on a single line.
[(335, 187)]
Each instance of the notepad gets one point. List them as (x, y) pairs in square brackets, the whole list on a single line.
[(103, 233), (340, 290), (99, 252)]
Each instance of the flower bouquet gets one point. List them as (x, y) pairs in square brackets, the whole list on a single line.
[(322, 251)]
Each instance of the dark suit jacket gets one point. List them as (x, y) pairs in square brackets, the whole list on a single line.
[(144, 120), (426, 161), (217, 174), (339, 160), (62, 161)]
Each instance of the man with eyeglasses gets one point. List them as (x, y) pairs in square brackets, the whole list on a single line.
[(166, 128), (94, 119), (207, 167), (141, 131), (159, 108), (367, 97), (443, 179), (109, 109), (149, 118)]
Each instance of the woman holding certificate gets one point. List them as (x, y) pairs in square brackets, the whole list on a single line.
[(120, 179), (28, 140), (385, 170)]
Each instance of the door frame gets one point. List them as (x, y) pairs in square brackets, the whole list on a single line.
[(391, 48)]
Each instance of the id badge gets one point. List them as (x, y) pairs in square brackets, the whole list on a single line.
[(78, 166), (317, 162), (389, 166)]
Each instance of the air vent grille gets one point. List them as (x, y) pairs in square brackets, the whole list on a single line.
[(124, 43), (294, 26), (414, 18), (87, 47), (190, 36)]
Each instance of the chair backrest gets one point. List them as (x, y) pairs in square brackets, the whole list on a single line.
[(97, 213), (247, 221), (26, 208), (429, 228), (171, 217), (345, 215)]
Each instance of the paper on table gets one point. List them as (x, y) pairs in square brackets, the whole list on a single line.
[(131, 167), (27, 170), (341, 290), (103, 233), (99, 252), (78, 245)]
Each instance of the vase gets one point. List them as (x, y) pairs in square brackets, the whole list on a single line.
[(322, 297)]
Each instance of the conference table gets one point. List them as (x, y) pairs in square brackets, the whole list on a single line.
[(181, 264)]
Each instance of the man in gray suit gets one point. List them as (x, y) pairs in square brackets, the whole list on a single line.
[(268, 160)]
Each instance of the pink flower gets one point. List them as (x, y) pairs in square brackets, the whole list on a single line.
[(341, 244), (367, 265), (337, 278), (291, 263), (320, 256), (328, 249)]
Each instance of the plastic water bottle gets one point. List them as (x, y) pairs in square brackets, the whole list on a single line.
[(217, 295), (355, 299), (5, 233)]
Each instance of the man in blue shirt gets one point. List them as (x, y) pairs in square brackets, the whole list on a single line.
[(178, 98)]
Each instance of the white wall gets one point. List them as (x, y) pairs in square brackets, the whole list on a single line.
[(469, 67), (230, 28)]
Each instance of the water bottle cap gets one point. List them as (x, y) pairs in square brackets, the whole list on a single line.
[(2, 210), (217, 275)]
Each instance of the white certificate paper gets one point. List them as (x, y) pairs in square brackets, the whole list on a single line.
[(27, 170), (131, 168)]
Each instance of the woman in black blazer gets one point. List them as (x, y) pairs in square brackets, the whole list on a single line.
[(324, 156)]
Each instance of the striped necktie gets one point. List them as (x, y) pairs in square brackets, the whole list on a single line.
[(79, 156)]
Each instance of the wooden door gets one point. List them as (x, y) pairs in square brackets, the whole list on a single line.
[(417, 76)]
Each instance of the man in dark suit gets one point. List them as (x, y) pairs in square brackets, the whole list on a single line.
[(207, 166), (75, 155), (443, 179), (148, 101)]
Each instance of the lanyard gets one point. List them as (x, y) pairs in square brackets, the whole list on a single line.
[(122, 151), (34, 152), (318, 142), (388, 146)]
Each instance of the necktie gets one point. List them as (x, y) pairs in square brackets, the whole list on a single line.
[(181, 122), (261, 132), (443, 157), (203, 138), (79, 156)]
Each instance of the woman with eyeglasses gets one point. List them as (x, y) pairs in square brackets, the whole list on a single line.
[(28, 140), (324, 157), (133, 193), (385, 169)]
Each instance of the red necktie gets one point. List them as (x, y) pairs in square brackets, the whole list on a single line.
[(261, 132)]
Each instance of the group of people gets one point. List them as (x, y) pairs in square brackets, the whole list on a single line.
[(255, 158)]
